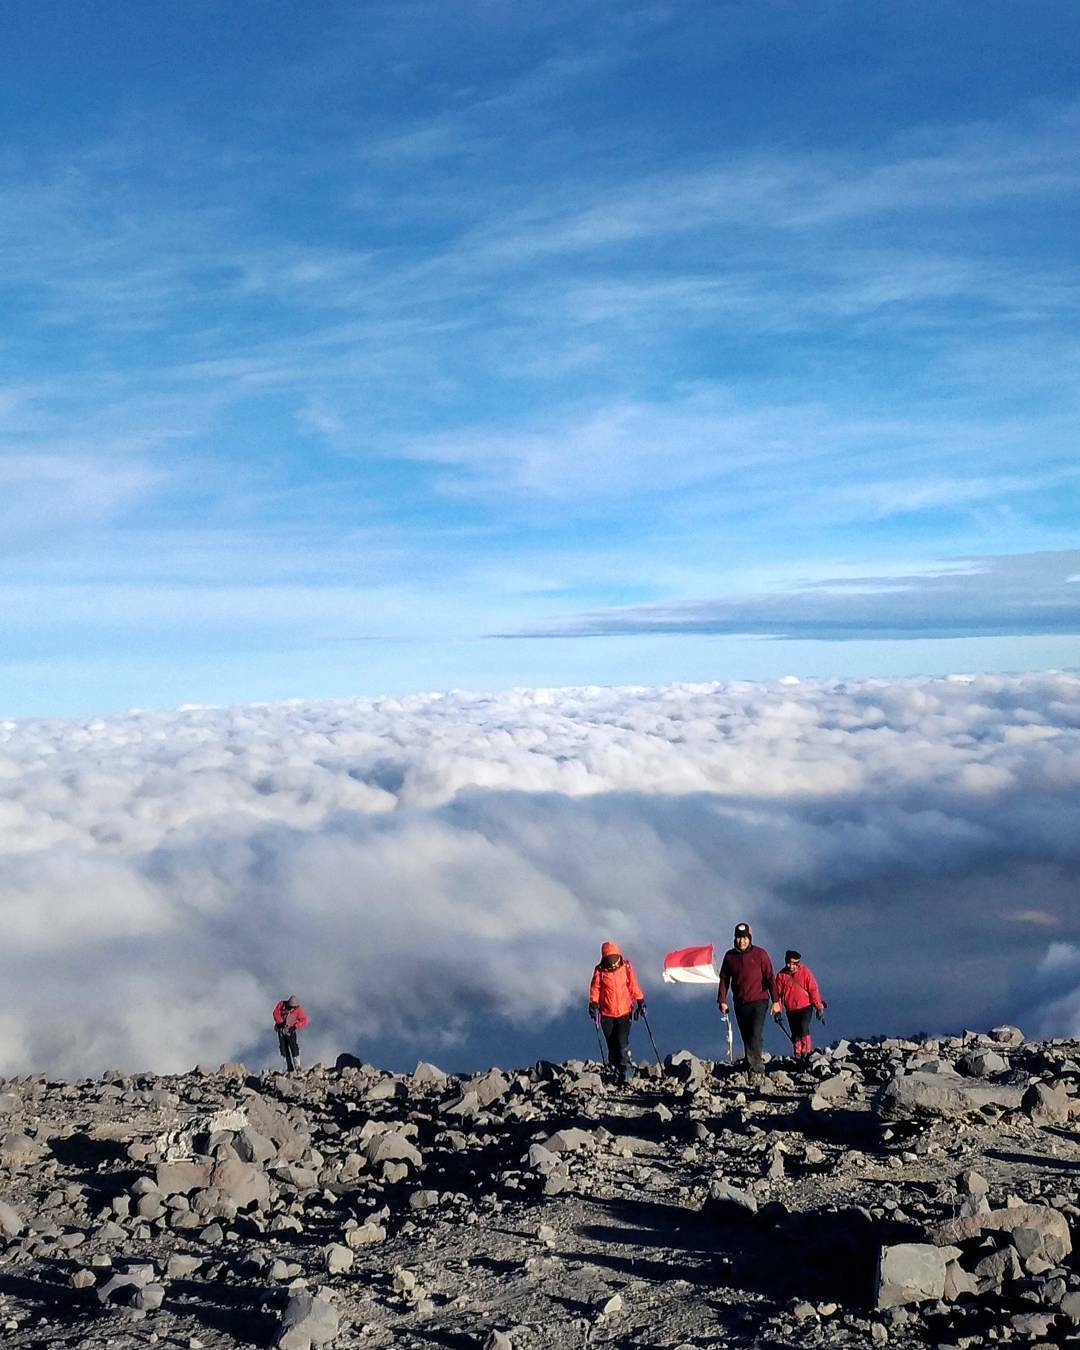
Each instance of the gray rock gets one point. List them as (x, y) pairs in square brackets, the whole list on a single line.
[(253, 1147), (392, 1146), (11, 1224), (181, 1178), (1052, 1226), (299, 1178), (836, 1088), (463, 1106), (727, 1203), (149, 1297), (958, 1282), (428, 1075), (1007, 1035), (242, 1183), (973, 1183), (567, 1141), (18, 1150), (365, 1234), (942, 1094), (1045, 1105), (981, 1064), (998, 1269), (307, 1321), (180, 1266), (686, 1067), (274, 1124), (910, 1272), (338, 1259), (489, 1087)]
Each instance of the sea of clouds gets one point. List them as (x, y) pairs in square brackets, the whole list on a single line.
[(433, 875)]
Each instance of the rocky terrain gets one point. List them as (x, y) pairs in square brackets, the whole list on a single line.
[(901, 1193)]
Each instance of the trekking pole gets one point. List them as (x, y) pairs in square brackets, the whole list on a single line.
[(600, 1040), (730, 1038), (779, 1020), (645, 1019)]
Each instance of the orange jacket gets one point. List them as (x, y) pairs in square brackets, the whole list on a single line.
[(615, 990)]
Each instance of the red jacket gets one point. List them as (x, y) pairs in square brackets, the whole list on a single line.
[(750, 975), (292, 1019), (799, 990), (615, 991)]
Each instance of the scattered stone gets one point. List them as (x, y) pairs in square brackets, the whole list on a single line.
[(910, 1272), (307, 1321)]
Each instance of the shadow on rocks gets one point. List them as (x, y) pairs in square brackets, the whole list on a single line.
[(814, 1255)]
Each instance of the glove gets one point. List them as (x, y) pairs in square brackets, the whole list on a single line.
[(819, 1013), (639, 1008), (594, 1011)]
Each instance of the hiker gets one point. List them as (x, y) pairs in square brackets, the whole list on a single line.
[(615, 995), (749, 972), (799, 993), (289, 1018)]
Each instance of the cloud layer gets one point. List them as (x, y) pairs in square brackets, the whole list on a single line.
[(433, 875)]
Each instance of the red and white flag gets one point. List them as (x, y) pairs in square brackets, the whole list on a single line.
[(691, 965)]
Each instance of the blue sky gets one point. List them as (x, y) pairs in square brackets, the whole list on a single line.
[(368, 348)]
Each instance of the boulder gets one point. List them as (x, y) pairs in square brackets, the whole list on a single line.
[(1055, 1241), (253, 1147), (568, 1140), (307, 1321), (11, 1224), (981, 1064), (241, 1182), (942, 1094), (181, 1178), (1046, 1105), (727, 1203), (1006, 1035), (18, 1149), (392, 1146), (489, 1087), (910, 1272), (428, 1075)]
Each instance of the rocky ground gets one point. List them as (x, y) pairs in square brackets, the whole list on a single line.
[(901, 1193)]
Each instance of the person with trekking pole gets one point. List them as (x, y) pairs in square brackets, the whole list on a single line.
[(289, 1018), (799, 993), (614, 997), (748, 972)]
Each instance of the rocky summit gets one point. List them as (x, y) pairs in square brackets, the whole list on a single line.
[(900, 1192)]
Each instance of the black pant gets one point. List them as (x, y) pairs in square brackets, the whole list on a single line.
[(290, 1049), (751, 1020), (617, 1034), (799, 1022)]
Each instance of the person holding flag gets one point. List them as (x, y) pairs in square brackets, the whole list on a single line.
[(748, 972), (614, 995)]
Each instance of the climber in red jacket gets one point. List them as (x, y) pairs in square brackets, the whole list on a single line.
[(798, 991), (289, 1018)]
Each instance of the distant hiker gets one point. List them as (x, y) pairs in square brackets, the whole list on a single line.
[(749, 972), (614, 995), (289, 1018), (799, 993)]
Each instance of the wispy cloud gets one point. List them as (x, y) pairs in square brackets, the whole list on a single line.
[(1026, 594)]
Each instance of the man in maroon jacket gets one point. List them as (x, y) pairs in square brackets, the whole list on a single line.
[(749, 972)]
